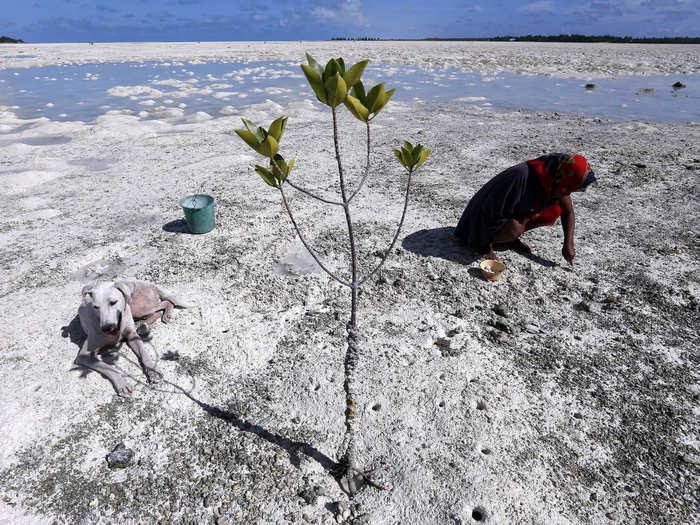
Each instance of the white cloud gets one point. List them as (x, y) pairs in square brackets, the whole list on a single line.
[(541, 6), (347, 12)]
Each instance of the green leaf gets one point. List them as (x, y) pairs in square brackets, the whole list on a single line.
[(248, 137), (314, 65), (382, 101), (341, 65), (352, 76), (407, 145), (423, 156), (277, 128), (254, 129), (405, 157), (358, 91), (373, 96), (336, 90), (268, 147), (315, 82), (332, 68), (398, 155), (416, 152), (268, 177), (356, 108)]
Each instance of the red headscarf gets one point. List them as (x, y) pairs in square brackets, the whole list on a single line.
[(560, 174)]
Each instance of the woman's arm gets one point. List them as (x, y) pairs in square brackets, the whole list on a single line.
[(568, 221)]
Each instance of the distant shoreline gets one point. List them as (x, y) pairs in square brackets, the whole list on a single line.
[(603, 39)]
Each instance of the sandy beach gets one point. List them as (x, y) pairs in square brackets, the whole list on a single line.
[(552, 396)]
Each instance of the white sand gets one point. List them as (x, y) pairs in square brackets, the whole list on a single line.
[(579, 406), (570, 60)]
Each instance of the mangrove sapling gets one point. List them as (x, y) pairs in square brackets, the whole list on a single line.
[(335, 85)]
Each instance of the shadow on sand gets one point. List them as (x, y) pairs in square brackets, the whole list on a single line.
[(442, 243), (293, 448), (176, 226), (75, 332)]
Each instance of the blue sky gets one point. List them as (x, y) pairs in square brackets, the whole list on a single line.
[(215, 20)]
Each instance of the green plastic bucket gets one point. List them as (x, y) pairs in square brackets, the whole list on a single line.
[(199, 212)]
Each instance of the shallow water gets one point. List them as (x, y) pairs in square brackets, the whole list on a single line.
[(176, 90)]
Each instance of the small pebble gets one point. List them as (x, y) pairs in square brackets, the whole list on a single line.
[(120, 457), (693, 459), (501, 310)]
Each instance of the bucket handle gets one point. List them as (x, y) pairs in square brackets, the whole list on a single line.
[(194, 195)]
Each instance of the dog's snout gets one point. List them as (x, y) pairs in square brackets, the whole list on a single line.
[(108, 328)]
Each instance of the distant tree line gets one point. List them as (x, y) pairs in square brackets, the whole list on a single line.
[(8, 40), (554, 38), (355, 38)]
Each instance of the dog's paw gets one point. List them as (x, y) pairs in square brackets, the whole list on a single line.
[(123, 390), (143, 330), (153, 375)]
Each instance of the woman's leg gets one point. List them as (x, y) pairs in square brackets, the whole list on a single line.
[(509, 233)]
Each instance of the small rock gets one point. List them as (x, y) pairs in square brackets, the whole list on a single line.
[(693, 459), (120, 457), (531, 328), (443, 344), (590, 86), (593, 496), (611, 515), (639, 165), (309, 496), (321, 491), (583, 306), (678, 85), (502, 326), (501, 310), (456, 330), (399, 283)]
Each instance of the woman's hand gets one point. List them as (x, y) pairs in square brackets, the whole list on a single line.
[(568, 252)]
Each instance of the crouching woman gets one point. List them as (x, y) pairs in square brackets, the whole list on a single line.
[(525, 196)]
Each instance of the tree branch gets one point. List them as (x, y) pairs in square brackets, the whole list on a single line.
[(306, 245), (299, 188), (396, 236)]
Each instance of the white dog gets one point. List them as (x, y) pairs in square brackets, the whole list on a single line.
[(107, 316)]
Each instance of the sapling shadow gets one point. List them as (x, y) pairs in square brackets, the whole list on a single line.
[(335, 85)]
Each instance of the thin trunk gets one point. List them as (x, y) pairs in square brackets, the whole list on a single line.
[(347, 450)]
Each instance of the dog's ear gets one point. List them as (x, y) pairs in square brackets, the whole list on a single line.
[(125, 289), (87, 289)]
